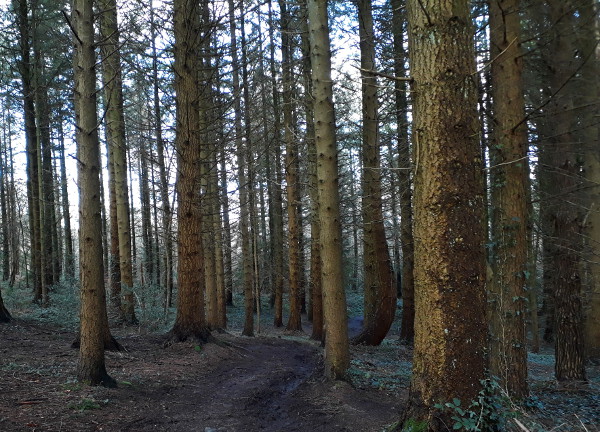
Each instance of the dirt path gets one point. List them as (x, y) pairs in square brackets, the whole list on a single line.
[(243, 384)]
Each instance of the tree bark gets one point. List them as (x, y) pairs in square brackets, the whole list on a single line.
[(277, 237), (407, 327), (509, 183), (315, 283), (91, 367), (115, 134), (449, 353), (190, 321), (564, 204), (590, 137), (337, 353), (379, 282), (291, 174), (21, 9)]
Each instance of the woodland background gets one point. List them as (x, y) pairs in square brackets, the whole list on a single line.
[(477, 202)]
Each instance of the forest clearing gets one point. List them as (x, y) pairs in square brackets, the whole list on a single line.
[(272, 382)]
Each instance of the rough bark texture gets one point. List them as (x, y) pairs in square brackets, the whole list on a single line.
[(115, 134), (590, 94), (508, 155), (316, 289), (379, 281), (407, 327), (337, 355), (91, 367), (563, 203), (190, 321), (449, 234), (291, 175)]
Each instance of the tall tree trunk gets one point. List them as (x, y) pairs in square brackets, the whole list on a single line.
[(277, 237), (115, 134), (379, 281), (449, 354), (244, 221), (564, 206), (337, 353), (207, 129), (316, 309), (407, 327), (93, 317), (591, 140), (21, 9), (291, 174), (508, 157), (190, 321), (162, 164)]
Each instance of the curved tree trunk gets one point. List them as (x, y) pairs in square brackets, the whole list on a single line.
[(379, 281)]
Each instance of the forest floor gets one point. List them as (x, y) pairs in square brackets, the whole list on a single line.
[(272, 382)]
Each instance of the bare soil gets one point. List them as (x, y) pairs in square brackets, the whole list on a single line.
[(272, 382), (263, 383)]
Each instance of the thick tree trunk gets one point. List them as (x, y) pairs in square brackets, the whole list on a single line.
[(590, 138), (379, 281), (93, 317), (449, 354), (565, 213), (190, 321), (508, 155), (337, 353)]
